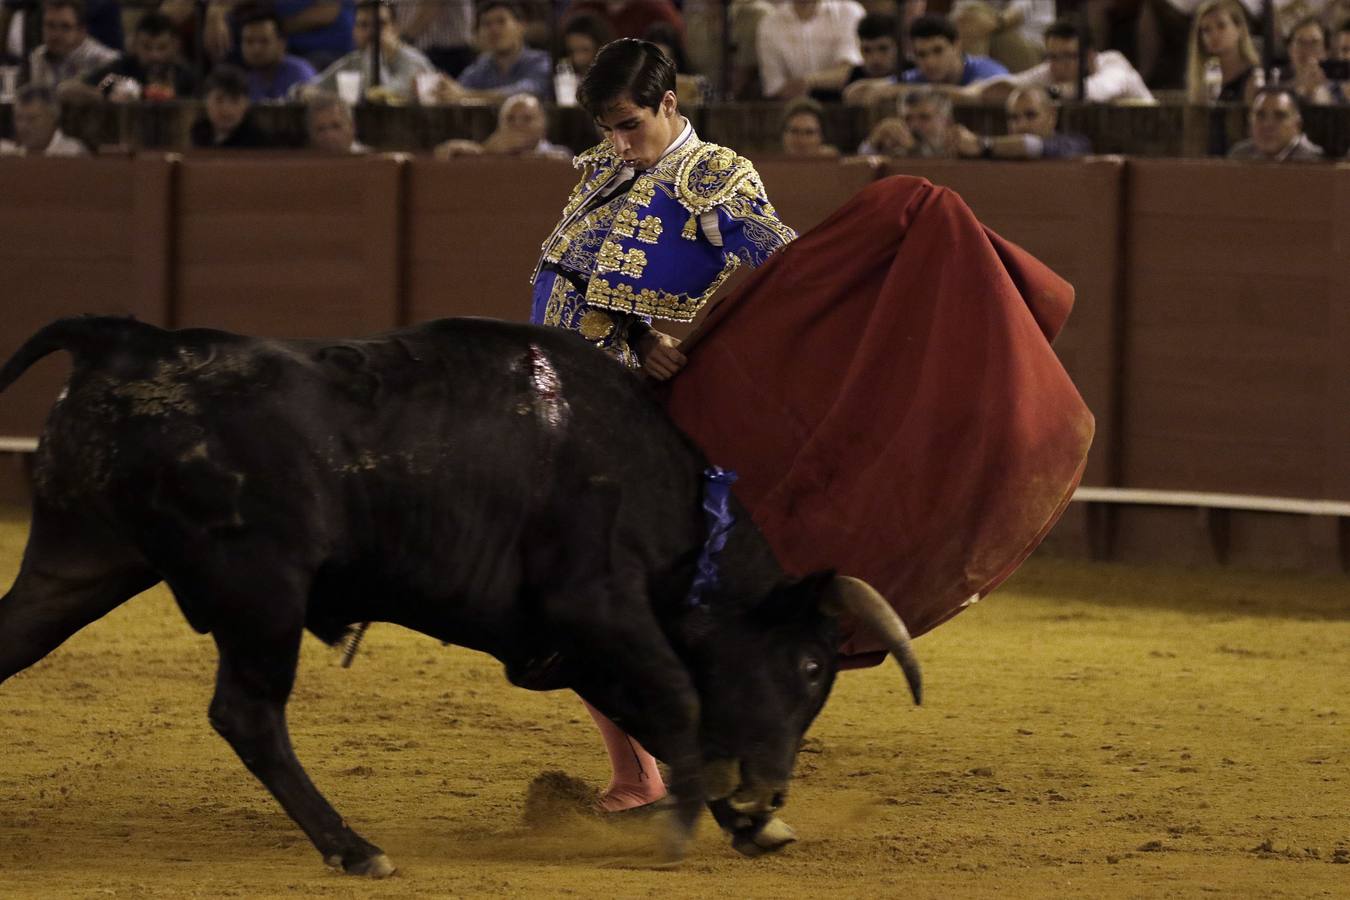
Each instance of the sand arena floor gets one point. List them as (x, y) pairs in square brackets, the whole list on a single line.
[(1089, 731)]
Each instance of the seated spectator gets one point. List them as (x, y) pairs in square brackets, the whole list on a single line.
[(1307, 49), (704, 28), (1032, 117), (928, 116), (804, 130), (441, 29), (36, 131), (1111, 78), (228, 123), (582, 39), (689, 88), (940, 59), (330, 126), (150, 72), (807, 45), (506, 66), (521, 130), (1008, 31), (21, 26), (880, 60), (318, 30), (67, 51), (1219, 31), (271, 71), (1275, 128), (629, 18), (400, 64), (889, 137)]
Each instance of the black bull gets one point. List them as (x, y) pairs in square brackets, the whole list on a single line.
[(500, 487)]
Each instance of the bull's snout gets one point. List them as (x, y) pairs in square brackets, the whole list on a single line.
[(758, 800)]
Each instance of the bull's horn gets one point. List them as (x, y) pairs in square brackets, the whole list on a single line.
[(871, 609)]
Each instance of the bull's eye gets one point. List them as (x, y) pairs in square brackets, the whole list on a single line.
[(811, 668)]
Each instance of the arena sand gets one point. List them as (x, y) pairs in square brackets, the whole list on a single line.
[(1088, 731)]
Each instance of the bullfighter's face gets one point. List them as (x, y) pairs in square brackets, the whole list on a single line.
[(639, 134)]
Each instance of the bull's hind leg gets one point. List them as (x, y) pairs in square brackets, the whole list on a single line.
[(258, 636), (73, 573)]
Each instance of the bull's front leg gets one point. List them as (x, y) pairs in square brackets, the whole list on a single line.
[(258, 657), (635, 677)]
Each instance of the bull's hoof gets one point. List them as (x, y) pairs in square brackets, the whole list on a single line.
[(774, 836), (674, 841), (377, 866)]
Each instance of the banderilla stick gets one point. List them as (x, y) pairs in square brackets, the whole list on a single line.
[(352, 644)]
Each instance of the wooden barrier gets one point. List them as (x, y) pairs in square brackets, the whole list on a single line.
[(806, 191), (1235, 375), (474, 231), (77, 237), (1208, 334), (280, 246)]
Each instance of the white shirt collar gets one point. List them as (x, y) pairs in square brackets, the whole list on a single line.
[(685, 134)]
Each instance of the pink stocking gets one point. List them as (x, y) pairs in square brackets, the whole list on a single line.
[(636, 780)]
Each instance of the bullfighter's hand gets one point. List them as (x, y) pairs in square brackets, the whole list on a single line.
[(660, 355)]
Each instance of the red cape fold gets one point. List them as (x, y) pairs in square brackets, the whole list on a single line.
[(885, 388)]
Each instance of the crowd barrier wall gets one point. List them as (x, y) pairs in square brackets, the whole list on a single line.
[(78, 237), (1208, 335)]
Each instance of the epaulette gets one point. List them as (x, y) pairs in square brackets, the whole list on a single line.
[(710, 175), (599, 156)]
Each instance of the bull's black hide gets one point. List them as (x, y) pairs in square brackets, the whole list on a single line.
[(497, 486)]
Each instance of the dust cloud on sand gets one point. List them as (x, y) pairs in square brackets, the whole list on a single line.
[(1096, 731)]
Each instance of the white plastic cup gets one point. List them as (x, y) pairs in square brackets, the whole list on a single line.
[(426, 87), (9, 84), (349, 87)]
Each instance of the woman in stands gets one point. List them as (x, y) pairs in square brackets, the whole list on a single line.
[(1219, 31)]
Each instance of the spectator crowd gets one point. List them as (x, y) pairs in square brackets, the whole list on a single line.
[(910, 62)]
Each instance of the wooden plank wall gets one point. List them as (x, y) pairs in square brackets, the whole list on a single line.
[(77, 236), (1208, 335), (474, 231), (1234, 371), (288, 247)]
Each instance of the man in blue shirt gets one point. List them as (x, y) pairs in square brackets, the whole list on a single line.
[(272, 72), (506, 66), (939, 59)]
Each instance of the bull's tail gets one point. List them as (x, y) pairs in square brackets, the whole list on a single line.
[(86, 338)]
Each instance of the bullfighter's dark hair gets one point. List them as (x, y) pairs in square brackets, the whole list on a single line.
[(876, 25), (931, 27), (627, 67), (229, 80)]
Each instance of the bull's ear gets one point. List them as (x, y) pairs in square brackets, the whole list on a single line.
[(803, 597)]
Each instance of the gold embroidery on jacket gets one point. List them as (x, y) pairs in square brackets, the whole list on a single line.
[(649, 229), (595, 325)]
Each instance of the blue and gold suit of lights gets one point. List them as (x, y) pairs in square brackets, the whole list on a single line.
[(658, 250)]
